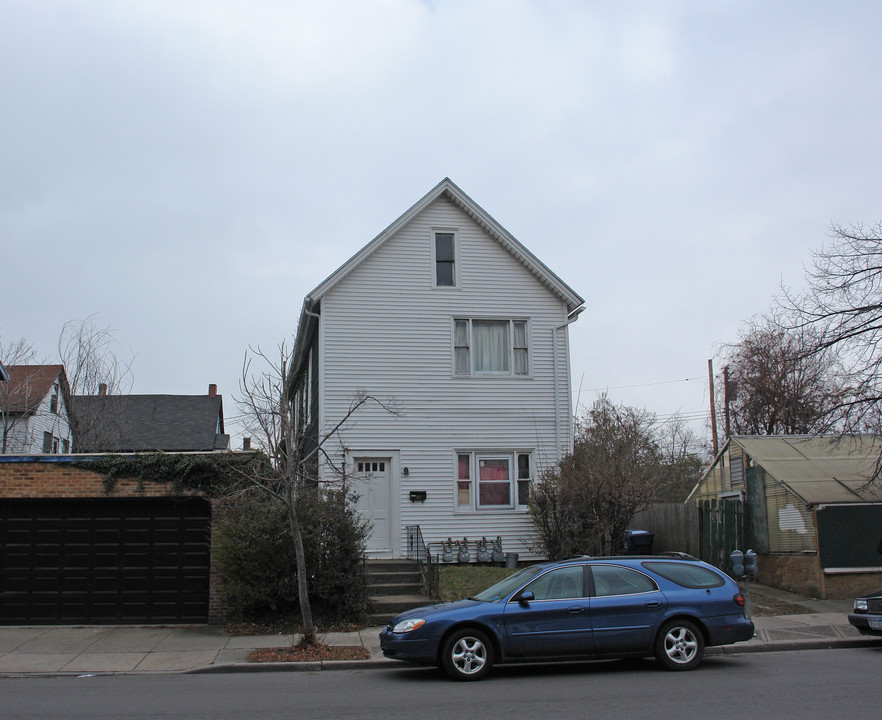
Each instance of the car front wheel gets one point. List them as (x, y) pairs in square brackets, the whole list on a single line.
[(467, 655), (679, 645)]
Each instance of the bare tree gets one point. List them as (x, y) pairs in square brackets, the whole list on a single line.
[(779, 382), (681, 455), (91, 359), (268, 410), (13, 353), (842, 308), (615, 470)]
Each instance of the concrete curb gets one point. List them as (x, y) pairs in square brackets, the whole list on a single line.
[(786, 646), (310, 666)]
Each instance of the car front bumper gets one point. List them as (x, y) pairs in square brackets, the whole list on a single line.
[(415, 646), (862, 622)]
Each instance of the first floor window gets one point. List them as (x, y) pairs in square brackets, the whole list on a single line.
[(492, 480), (47, 442)]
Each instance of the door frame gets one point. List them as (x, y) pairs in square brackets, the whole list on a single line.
[(393, 458)]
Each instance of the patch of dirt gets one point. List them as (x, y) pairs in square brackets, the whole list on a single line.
[(283, 626), (309, 653), (766, 606)]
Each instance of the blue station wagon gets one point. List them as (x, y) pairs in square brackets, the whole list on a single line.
[(671, 606)]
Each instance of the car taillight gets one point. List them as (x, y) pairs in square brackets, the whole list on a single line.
[(739, 599)]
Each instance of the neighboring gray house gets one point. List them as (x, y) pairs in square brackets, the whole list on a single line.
[(34, 404), (143, 423), (449, 316)]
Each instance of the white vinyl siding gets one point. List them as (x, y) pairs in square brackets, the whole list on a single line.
[(386, 329), (27, 433)]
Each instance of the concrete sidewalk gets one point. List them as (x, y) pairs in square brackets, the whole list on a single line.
[(109, 650)]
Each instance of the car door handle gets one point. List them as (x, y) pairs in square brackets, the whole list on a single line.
[(575, 609), (653, 603)]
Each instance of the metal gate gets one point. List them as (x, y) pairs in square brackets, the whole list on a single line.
[(104, 561)]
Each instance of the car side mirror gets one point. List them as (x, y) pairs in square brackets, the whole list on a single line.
[(525, 596)]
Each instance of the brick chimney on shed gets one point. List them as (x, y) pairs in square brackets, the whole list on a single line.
[(212, 390)]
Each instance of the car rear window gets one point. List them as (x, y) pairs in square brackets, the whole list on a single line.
[(691, 576)]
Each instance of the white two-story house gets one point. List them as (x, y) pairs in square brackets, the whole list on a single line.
[(465, 331)]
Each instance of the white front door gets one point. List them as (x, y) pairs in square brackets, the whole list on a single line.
[(372, 484)]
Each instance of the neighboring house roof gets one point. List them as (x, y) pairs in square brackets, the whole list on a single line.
[(819, 470), (449, 190), (28, 385), (140, 423)]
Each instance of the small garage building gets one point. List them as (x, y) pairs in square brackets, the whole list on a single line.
[(73, 553)]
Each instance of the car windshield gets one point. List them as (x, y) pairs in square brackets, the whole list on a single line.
[(496, 592)]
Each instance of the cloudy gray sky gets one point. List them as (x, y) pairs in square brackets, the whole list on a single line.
[(187, 171)]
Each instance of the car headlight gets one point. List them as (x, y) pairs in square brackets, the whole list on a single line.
[(860, 605), (408, 625)]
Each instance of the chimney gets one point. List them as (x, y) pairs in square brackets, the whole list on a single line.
[(246, 443), (102, 389), (212, 390)]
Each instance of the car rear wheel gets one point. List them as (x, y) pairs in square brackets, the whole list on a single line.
[(467, 655), (679, 645)]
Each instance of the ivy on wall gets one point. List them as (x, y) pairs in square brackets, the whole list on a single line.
[(208, 473)]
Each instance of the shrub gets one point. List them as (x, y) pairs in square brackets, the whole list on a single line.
[(254, 553)]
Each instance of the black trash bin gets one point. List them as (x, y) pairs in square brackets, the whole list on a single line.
[(638, 542)]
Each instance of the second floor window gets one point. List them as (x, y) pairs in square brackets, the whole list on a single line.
[(491, 347)]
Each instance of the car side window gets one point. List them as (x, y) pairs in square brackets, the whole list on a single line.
[(618, 580), (559, 584)]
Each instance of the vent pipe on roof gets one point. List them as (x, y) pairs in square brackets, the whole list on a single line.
[(212, 390)]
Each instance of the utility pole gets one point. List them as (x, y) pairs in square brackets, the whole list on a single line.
[(726, 398), (710, 378)]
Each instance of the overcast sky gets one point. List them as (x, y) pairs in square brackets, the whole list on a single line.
[(187, 171)]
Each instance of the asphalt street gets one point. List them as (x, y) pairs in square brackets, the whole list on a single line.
[(810, 685)]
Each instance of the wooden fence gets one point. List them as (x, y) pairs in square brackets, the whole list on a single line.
[(710, 530), (676, 527)]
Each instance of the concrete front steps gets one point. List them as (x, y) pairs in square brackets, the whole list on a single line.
[(393, 587)]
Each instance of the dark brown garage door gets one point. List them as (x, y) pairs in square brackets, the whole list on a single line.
[(103, 561)]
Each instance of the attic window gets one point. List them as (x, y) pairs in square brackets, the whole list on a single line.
[(445, 259)]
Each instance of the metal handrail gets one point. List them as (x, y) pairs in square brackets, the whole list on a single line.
[(418, 550)]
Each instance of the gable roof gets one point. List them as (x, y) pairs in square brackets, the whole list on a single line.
[(141, 423), (449, 190), (825, 469), (28, 385)]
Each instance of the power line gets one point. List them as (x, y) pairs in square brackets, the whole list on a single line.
[(627, 387)]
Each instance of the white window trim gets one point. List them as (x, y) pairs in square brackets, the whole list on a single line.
[(457, 274), (511, 348), (490, 454)]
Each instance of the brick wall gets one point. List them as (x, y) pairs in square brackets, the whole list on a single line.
[(799, 573), (62, 480)]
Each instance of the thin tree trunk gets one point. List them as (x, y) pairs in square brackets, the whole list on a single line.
[(302, 589)]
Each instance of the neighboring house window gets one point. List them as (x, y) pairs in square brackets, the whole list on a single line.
[(487, 480), (445, 259), (53, 401), (65, 446), (47, 442), (490, 347), (55, 446)]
